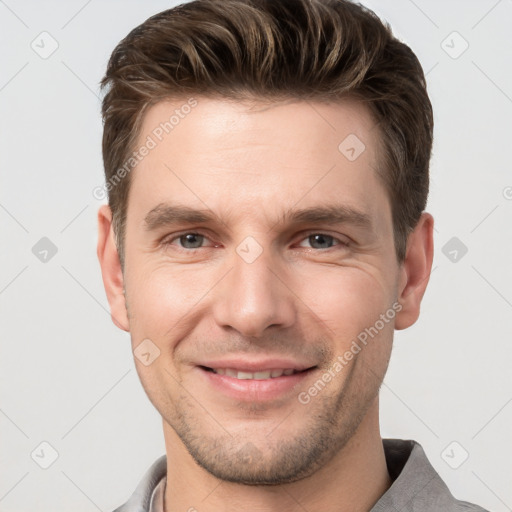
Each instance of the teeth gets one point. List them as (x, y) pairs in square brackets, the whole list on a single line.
[(267, 374), (262, 375)]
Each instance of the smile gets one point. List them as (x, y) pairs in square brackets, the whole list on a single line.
[(259, 375), (257, 384)]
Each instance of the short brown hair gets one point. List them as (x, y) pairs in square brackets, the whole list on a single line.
[(321, 50)]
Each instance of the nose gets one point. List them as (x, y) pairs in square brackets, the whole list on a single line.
[(254, 296)]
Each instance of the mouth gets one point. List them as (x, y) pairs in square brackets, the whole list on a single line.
[(261, 384), (257, 375)]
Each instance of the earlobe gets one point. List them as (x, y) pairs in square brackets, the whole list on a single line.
[(111, 271), (415, 271)]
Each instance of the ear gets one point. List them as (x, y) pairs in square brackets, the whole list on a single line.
[(111, 271), (415, 271)]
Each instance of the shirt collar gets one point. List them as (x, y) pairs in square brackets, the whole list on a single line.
[(416, 485)]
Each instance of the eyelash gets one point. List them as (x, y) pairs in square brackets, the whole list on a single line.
[(167, 242)]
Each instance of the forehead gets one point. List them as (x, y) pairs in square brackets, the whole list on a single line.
[(284, 124), (255, 156)]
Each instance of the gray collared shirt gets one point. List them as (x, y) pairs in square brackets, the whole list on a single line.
[(416, 486)]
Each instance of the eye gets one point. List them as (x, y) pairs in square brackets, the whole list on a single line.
[(190, 241), (322, 241)]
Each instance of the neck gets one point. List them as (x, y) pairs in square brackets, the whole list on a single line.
[(354, 479)]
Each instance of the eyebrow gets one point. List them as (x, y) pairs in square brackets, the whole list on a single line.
[(167, 215)]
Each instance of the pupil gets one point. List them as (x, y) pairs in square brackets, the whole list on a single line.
[(321, 239), (191, 240)]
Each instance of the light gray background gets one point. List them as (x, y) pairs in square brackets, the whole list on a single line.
[(67, 374)]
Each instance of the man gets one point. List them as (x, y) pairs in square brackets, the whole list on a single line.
[(288, 142)]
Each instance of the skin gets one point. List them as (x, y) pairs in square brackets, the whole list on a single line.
[(304, 297)]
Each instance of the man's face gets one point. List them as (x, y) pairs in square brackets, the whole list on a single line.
[(255, 288)]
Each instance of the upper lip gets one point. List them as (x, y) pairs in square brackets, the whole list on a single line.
[(256, 365)]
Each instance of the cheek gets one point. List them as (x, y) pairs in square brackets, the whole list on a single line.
[(160, 298), (347, 300)]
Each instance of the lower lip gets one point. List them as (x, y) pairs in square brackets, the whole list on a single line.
[(253, 390)]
